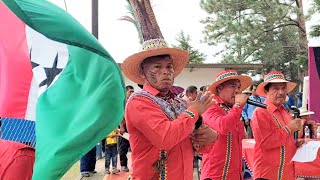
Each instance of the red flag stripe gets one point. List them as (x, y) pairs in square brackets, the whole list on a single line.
[(15, 66)]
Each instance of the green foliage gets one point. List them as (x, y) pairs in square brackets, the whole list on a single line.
[(315, 30), (256, 31), (196, 57), (130, 18)]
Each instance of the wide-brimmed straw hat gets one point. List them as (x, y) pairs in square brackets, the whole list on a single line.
[(304, 111), (230, 75), (274, 77), (131, 66)]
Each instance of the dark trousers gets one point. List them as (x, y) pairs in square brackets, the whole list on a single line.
[(124, 146), (248, 129), (88, 161), (103, 145), (111, 152)]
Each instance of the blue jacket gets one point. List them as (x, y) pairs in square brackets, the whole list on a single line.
[(248, 108)]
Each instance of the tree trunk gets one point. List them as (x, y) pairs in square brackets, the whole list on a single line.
[(302, 26), (302, 36)]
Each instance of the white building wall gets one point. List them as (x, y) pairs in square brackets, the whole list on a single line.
[(190, 76)]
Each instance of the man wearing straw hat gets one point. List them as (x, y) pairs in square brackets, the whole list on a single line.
[(224, 160), (273, 130), (158, 122)]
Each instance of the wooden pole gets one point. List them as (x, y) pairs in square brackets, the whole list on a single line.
[(95, 19)]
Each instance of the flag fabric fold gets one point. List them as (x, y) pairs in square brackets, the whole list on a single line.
[(73, 89)]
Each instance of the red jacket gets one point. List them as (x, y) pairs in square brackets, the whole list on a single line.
[(275, 145), (16, 161), (151, 131)]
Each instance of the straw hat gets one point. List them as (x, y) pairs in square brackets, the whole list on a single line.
[(229, 75), (305, 112), (274, 77), (153, 47)]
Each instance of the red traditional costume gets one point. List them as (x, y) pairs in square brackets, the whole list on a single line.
[(151, 131), (224, 160), (275, 145)]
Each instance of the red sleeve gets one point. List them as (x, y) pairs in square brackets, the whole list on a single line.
[(263, 133), (216, 118), (21, 166), (205, 149), (148, 118)]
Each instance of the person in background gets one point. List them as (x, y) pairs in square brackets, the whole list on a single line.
[(289, 101), (88, 163), (273, 130), (111, 152), (248, 109), (191, 93), (299, 99), (203, 89), (16, 160), (123, 143)]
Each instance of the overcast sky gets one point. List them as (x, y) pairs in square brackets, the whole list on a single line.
[(120, 38)]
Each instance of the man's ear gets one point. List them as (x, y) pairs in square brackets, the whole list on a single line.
[(142, 74), (219, 88)]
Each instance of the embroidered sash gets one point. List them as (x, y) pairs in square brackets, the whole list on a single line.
[(228, 148), (282, 150)]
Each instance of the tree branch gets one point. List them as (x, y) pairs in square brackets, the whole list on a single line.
[(281, 25), (292, 20)]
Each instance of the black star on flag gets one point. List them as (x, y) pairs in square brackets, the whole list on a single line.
[(51, 73)]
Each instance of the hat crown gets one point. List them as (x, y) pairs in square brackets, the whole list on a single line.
[(153, 44), (226, 74), (274, 75)]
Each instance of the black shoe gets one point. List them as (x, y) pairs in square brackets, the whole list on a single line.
[(125, 168), (85, 174)]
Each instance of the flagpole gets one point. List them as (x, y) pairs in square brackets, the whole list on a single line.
[(95, 19), (65, 5)]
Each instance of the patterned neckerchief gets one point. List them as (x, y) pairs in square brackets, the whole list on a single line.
[(222, 104)]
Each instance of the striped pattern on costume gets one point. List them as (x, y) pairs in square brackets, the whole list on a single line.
[(282, 152), (163, 172), (228, 157)]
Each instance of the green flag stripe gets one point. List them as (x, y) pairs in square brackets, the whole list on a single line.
[(89, 94)]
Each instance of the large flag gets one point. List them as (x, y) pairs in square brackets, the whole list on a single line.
[(56, 74), (314, 77)]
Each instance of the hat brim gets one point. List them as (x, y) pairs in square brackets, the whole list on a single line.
[(131, 65), (261, 92), (306, 113), (244, 80)]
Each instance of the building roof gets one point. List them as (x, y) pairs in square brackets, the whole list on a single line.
[(241, 68)]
